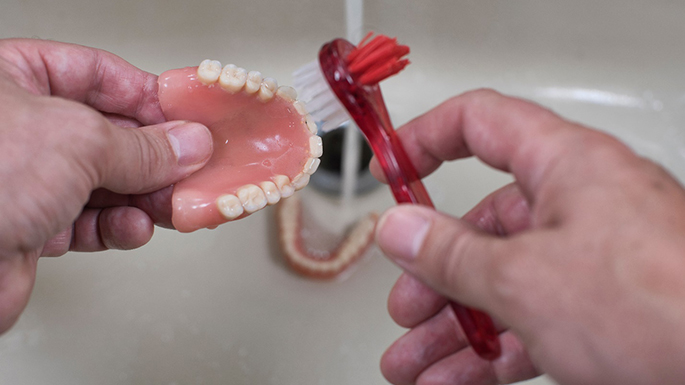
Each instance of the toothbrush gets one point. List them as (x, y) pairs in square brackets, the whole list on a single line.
[(346, 79)]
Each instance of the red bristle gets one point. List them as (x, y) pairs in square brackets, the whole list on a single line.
[(381, 73), (375, 60), (364, 48), (381, 55), (361, 44), (365, 39)]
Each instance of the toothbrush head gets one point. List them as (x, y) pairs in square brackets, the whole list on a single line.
[(378, 59), (353, 74)]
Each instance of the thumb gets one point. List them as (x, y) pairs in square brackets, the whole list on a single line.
[(444, 252), (148, 158)]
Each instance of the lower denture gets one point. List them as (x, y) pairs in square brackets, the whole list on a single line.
[(316, 261), (265, 145)]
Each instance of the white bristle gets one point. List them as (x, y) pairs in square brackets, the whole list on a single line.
[(306, 69), (335, 121), (320, 101)]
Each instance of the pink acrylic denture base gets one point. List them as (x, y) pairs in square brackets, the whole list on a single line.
[(253, 141)]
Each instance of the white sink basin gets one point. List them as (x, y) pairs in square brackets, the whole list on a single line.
[(218, 307)]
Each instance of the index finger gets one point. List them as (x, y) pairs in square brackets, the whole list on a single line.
[(94, 77), (510, 134)]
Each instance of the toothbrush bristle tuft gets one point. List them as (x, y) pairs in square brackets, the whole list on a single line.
[(374, 60), (316, 94)]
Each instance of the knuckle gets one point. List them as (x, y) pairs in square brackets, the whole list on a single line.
[(482, 94), (472, 99), (476, 100), (600, 146)]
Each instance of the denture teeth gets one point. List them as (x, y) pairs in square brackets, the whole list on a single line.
[(230, 206), (284, 186), (267, 89), (252, 198), (321, 263), (315, 146), (300, 108), (311, 165), (300, 181), (233, 78), (271, 192), (311, 125), (254, 80), (208, 72), (286, 92)]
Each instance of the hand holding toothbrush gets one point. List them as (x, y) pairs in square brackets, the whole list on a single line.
[(582, 258)]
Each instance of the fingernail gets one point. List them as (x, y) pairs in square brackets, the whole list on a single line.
[(401, 232), (192, 143)]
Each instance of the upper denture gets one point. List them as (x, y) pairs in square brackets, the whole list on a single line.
[(264, 145)]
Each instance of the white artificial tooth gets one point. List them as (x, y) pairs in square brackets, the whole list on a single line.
[(208, 72), (267, 89), (287, 93), (284, 186), (230, 206), (311, 124), (300, 181), (254, 80), (271, 192), (233, 78), (311, 165), (300, 108), (252, 198), (315, 146)]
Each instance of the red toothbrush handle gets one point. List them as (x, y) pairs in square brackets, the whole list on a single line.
[(479, 330), (407, 188), (365, 104)]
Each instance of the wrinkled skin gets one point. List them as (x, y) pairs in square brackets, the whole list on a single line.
[(581, 259), (86, 158)]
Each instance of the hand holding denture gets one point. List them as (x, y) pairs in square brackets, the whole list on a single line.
[(86, 158)]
